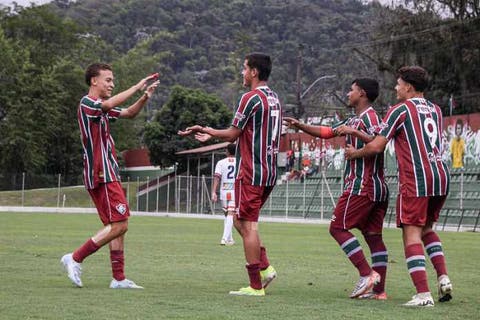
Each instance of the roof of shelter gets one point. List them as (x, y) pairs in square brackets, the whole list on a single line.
[(204, 149)]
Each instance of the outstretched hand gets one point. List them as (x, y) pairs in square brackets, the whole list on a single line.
[(190, 130), (142, 84), (202, 137), (290, 122)]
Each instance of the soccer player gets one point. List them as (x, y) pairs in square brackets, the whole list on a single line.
[(364, 201), (415, 125), (225, 177), (101, 172), (256, 128)]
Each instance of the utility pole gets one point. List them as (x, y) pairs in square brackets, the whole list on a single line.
[(300, 110)]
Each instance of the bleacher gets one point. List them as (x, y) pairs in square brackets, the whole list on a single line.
[(298, 199)]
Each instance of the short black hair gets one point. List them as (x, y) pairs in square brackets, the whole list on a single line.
[(261, 62), (370, 86), (231, 149), (414, 75), (94, 69)]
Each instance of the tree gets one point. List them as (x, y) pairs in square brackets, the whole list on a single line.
[(185, 107)]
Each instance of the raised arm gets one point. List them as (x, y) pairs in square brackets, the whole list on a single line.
[(206, 133), (123, 96), (323, 132), (344, 130)]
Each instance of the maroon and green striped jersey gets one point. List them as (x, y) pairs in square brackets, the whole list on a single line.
[(364, 176), (415, 126), (259, 116), (99, 156)]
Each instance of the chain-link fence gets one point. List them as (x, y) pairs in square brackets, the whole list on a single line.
[(311, 197)]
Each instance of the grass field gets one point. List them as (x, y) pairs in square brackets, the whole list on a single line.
[(187, 275)]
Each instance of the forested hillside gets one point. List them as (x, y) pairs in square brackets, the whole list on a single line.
[(200, 44)]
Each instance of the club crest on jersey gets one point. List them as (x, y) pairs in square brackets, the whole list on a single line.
[(333, 218), (239, 116), (272, 101), (121, 208)]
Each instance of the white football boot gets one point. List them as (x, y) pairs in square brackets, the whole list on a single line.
[(73, 268)]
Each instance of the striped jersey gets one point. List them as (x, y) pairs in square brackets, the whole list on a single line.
[(415, 125), (364, 176), (99, 156), (225, 171), (259, 116)]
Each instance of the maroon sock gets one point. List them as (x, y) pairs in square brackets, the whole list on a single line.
[(416, 266), (379, 259), (254, 275), (118, 262), (352, 249), (88, 248), (433, 246), (264, 263)]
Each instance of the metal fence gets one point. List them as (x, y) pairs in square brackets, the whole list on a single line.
[(310, 198)]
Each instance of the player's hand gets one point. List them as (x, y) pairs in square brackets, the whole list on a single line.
[(142, 84), (188, 131), (214, 197), (350, 152), (151, 88), (202, 137), (343, 130), (290, 122)]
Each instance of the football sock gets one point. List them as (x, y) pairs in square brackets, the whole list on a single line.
[(254, 275), (118, 262), (88, 248), (379, 259), (225, 229), (416, 266), (352, 249), (229, 225), (433, 246), (264, 263)]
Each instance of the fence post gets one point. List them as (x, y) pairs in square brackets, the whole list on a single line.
[(286, 201), (158, 187), (23, 189), (137, 195), (304, 187), (168, 193), (58, 190), (148, 191), (461, 189)]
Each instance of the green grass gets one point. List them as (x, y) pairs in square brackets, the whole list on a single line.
[(187, 275)]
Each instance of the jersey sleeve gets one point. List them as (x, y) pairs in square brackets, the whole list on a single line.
[(392, 121), (340, 123), (370, 123), (245, 109), (114, 113), (91, 108), (218, 170)]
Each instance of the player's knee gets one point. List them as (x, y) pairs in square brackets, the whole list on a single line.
[(120, 228)]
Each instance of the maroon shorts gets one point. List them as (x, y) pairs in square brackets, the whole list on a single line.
[(418, 210), (249, 200), (110, 201), (353, 211)]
